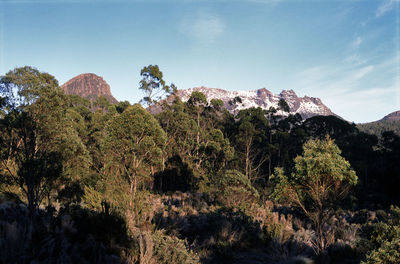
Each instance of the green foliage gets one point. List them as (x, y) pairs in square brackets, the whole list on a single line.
[(282, 104), (250, 139), (121, 106), (133, 144), (218, 235), (41, 145), (21, 87), (321, 160), (102, 103), (92, 198), (194, 138), (177, 176), (217, 104), (106, 158), (197, 99), (381, 241), (235, 190), (179, 127), (378, 127), (75, 100), (75, 235), (320, 126), (388, 253), (153, 85), (172, 250), (110, 189), (322, 177), (215, 153)]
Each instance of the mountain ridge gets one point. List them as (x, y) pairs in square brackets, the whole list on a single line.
[(394, 116), (390, 122), (305, 106)]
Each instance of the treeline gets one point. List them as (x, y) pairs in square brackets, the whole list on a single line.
[(112, 170)]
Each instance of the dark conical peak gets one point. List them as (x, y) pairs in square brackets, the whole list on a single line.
[(90, 86)]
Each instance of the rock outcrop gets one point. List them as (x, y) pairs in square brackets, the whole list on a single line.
[(90, 86)]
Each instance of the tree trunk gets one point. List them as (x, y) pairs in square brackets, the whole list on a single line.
[(269, 164), (131, 195), (198, 127), (31, 200)]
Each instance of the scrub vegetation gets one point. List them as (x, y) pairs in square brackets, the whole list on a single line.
[(95, 182)]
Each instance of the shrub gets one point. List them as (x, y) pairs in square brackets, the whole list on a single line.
[(172, 250), (388, 253), (381, 241), (235, 190)]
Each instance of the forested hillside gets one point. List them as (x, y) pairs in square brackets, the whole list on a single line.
[(96, 182), (383, 125)]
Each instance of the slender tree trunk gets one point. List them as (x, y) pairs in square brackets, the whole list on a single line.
[(31, 200), (270, 155), (247, 165), (269, 164), (131, 195), (249, 143), (198, 127), (134, 187)]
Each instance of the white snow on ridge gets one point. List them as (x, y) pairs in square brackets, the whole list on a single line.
[(305, 106), (309, 106)]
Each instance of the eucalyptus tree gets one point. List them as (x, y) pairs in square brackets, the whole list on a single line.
[(194, 137), (133, 142), (197, 103), (321, 179), (180, 128), (250, 140), (36, 140), (153, 85)]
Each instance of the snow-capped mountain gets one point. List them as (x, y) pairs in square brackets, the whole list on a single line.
[(305, 106)]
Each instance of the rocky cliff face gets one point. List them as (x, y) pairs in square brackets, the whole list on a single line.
[(90, 86), (305, 106)]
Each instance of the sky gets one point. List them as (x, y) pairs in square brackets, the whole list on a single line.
[(345, 52)]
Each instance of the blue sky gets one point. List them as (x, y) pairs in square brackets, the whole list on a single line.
[(345, 52)]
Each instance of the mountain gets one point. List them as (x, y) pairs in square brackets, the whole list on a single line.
[(395, 116), (90, 86), (305, 106), (390, 122)]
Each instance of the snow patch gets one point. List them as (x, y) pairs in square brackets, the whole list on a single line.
[(305, 106)]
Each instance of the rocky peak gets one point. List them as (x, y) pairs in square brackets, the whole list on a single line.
[(288, 93), (90, 86), (305, 106)]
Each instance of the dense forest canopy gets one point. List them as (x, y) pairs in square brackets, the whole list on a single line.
[(378, 127), (189, 184)]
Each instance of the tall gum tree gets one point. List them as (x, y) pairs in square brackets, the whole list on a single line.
[(251, 125), (37, 141), (134, 141), (153, 85)]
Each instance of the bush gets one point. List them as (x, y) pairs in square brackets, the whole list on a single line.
[(388, 253), (235, 190), (381, 241), (172, 250), (74, 236)]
